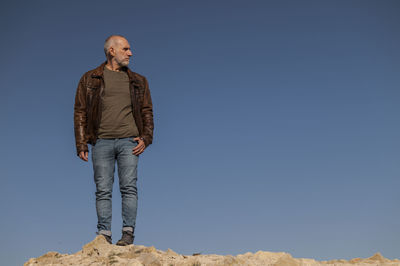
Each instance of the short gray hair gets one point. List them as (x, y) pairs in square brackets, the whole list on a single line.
[(111, 41)]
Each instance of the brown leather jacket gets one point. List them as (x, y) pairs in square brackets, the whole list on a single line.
[(87, 109)]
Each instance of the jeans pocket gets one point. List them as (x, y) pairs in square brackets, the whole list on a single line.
[(97, 142)]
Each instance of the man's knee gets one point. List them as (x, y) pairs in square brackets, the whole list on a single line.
[(103, 193), (130, 189)]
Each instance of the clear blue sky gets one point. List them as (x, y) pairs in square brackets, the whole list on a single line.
[(276, 126)]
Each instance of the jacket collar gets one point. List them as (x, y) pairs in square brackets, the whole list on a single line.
[(99, 73)]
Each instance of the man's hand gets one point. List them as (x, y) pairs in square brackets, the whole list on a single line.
[(84, 155), (139, 148)]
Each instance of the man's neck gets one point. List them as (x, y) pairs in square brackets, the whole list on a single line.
[(113, 66)]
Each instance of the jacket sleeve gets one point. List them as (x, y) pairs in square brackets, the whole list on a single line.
[(147, 115), (80, 117)]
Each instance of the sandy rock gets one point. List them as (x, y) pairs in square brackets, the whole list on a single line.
[(149, 259), (287, 260), (99, 252), (98, 247)]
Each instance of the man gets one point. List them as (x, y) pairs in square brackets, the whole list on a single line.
[(113, 112)]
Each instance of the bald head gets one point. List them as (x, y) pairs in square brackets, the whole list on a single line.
[(112, 41), (118, 52)]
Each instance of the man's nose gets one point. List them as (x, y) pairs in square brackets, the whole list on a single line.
[(129, 52)]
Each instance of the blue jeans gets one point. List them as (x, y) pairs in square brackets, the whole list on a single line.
[(104, 154)]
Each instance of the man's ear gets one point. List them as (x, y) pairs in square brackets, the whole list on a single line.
[(112, 51)]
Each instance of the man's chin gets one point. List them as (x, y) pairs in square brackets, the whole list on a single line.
[(124, 64)]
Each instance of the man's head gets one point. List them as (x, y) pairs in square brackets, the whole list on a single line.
[(117, 50)]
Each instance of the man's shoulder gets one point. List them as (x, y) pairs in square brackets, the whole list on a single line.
[(87, 75), (136, 76), (89, 72), (137, 79), (94, 72)]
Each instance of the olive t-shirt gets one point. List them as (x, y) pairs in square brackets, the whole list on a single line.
[(117, 119)]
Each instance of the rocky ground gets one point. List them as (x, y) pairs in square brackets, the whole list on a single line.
[(99, 252)]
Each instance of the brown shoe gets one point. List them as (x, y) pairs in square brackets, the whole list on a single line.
[(126, 239)]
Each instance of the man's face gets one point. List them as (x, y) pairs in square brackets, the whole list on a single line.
[(122, 52)]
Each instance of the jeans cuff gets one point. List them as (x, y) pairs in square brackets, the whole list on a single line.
[(127, 229), (104, 232)]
